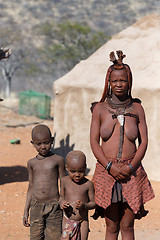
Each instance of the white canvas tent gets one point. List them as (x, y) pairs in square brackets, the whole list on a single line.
[(84, 84)]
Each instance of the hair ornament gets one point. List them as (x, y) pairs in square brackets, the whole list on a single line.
[(117, 63)]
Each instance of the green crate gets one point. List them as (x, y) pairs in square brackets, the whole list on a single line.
[(34, 103)]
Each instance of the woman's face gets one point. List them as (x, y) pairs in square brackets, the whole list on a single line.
[(119, 83)]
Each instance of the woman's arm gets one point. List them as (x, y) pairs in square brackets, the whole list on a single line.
[(95, 136), (143, 137), (143, 142)]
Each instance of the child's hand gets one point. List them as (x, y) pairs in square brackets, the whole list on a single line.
[(64, 204), (25, 220), (79, 204)]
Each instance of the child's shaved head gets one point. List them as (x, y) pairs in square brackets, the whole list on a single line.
[(76, 158), (40, 130)]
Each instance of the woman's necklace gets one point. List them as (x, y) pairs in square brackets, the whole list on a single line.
[(115, 105), (119, 114)]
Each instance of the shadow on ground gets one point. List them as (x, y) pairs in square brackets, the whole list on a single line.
[(13, 174)]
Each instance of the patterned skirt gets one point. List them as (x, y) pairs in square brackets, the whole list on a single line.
[(72, 230), (136, 190)]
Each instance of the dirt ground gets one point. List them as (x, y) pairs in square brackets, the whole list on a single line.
[(13, 183)]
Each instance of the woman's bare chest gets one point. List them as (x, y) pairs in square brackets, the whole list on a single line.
[(112, 119)]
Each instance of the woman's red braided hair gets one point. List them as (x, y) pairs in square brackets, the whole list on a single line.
[(118, 65)]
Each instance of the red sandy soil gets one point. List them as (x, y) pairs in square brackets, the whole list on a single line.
[(13, 184)]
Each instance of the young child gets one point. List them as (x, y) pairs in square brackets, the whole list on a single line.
[(76, 198), (43, 194)]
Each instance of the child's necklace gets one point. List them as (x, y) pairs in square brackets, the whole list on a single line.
[(40, 157)]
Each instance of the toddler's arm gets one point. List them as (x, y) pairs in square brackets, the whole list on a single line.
[(91, 204), (63, 203)]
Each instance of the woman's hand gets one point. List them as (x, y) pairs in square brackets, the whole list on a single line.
[(116, 172), (126, 170)]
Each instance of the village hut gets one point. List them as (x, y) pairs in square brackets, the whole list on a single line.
[(75, 91)]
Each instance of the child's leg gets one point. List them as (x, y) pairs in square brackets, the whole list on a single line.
[(127, 222), (36, 222), (37, 230), (112, 217), (53, 228), (84, 230)]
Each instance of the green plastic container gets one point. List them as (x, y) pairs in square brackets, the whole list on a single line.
[(15, 141), (34, 103)]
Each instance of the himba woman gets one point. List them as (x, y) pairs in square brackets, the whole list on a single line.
[(121, 184)]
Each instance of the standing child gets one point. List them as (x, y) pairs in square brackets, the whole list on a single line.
[(76, 198), (43, 194)]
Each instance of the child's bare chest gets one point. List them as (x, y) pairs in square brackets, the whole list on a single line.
[(45, 166), (76, 192)]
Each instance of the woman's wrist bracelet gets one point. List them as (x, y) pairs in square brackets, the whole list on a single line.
[(108, 167), (131, 167)]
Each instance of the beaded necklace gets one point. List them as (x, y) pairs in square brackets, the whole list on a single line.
[(40, 157)]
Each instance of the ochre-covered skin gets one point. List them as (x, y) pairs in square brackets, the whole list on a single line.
[(111, 142), (43, 190)]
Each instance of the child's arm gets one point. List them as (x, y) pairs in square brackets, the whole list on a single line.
[(91, 204), (63, 203), (61, 168), (29, 195)]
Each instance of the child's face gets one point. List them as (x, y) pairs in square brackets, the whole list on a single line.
[(76, 171), (42, 144)]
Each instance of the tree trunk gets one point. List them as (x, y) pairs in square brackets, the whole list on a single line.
[(7, 78), (8, 86)]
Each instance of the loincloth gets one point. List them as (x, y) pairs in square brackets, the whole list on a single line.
[(117, 195), (72, 230), (136, 190)]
